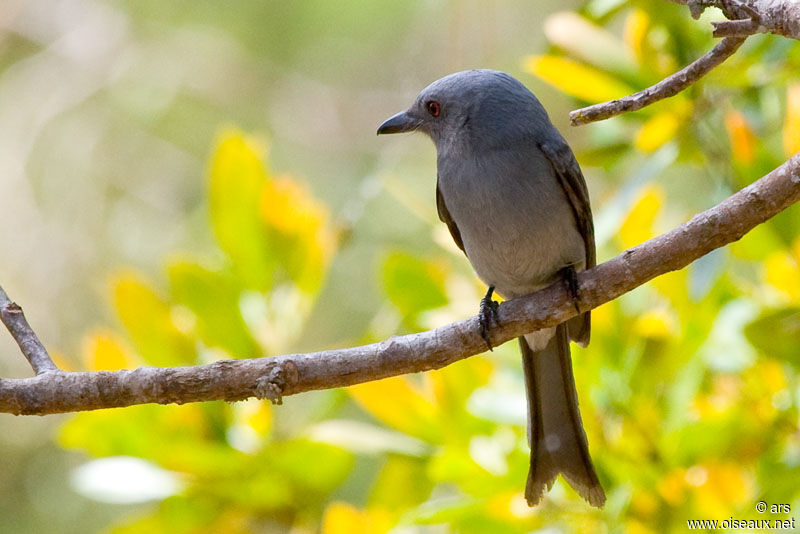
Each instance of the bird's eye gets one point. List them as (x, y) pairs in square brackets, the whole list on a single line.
[(433, 108)]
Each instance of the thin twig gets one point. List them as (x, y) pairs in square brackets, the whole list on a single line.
[(736, 28), (780, 17), (12, 316), (696, 7), (667, 87), (279, 376)]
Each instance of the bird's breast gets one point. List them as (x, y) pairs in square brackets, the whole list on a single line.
[(515, 221)]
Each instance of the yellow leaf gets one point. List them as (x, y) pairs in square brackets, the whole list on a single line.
[(501, 505), (664, 125), (768, 375), (791, 125), (104, 351), (720, 487), (288, 207), (656, 324), (344, 518), (657, 130), (255, 414), (270, 227), (636, 25), (644, 502), (149, 322), (589, 42), (638, 225), (672, 487), (452, 384), (604, 317), (675, 287), (400, 404), (702, 408), (742, 138), (764, 385), (637, 527), (576, 79), (782, 272)]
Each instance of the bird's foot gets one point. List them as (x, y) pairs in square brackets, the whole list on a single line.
[(488, 315), (570, 277)]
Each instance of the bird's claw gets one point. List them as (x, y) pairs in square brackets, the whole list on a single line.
[(570, 277), (488, 315)]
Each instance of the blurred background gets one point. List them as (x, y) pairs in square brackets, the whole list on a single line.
[(187, 181)]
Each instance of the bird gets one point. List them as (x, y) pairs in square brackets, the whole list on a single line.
[(516, 203)]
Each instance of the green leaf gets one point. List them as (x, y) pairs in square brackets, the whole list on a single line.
[(236, 184), (311, 465), (271, 228), (190, 514), (776, 333), (149, 323), (178, 438), (413, 285), (401, 483), (213, 297)]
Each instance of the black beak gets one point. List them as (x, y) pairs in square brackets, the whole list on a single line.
[(402, 122)]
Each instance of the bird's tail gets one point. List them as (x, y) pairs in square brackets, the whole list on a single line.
[(555, 431)]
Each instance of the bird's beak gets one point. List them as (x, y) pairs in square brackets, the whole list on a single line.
[(402, 122)]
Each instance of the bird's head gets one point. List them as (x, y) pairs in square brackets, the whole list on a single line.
[(484, 105)]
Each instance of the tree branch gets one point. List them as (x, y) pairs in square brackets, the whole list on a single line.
[(233, 380), (781, 17), (57, 391), (12, 316), (669, 86), (736, 28)]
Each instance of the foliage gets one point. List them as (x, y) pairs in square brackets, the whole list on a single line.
[(689, 390), (252, 298)]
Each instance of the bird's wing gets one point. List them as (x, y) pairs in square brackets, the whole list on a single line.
[(571, 179), (445, 217)]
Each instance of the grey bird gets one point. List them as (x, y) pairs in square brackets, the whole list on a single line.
[(515, 201)]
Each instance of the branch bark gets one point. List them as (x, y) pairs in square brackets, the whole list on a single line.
[(54, 391), (11, 315), (274, 377), (669, 86), (781, 17)]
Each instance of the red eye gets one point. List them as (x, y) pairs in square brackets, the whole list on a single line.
[(433, 108)]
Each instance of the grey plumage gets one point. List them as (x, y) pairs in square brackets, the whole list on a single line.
[(515, 201)]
